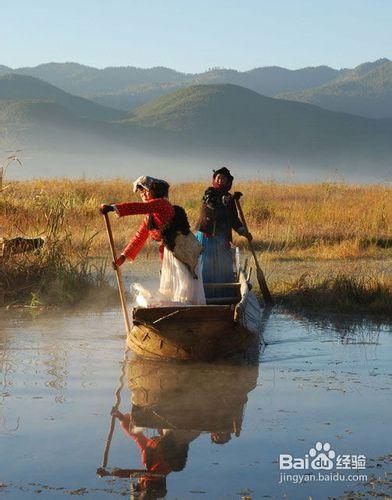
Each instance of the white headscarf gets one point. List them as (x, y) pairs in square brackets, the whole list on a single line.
[(146, 182)]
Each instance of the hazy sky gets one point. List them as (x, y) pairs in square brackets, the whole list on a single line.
[(195, 35)]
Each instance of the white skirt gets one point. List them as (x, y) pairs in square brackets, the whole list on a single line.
[(177, 284)]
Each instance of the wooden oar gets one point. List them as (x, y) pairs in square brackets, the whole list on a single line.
[(131, 473), (108, 442), (260, 275), (117, 270)]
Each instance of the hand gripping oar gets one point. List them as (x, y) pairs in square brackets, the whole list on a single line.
[(260, 275), (118, 275)]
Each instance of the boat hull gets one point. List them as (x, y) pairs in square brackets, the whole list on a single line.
[(198, 333)]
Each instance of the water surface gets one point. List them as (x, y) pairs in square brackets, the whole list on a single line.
[(59, 373)]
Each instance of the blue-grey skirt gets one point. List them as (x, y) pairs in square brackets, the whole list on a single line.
[(217, 264)]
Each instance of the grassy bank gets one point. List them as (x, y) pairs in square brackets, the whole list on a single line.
[(337, 293), (291, 224), (57, 274)]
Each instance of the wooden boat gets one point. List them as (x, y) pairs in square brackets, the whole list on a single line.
[(190, 396), (226, 326)]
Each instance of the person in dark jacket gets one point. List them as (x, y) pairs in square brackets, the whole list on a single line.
[(218, 217)]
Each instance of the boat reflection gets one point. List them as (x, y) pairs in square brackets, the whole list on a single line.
[(172, 405), (193, 396)]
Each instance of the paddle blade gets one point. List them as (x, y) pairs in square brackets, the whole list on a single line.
[(264, 287)]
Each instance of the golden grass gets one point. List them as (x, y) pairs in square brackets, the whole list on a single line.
[(293, 223), (338, 293), (57, 274), (319, 221)]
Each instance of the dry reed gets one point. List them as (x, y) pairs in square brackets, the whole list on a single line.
[(303, 222)]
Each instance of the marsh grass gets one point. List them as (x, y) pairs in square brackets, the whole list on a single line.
[(57, 274), (323, 221), (337, 293), (326, 222)]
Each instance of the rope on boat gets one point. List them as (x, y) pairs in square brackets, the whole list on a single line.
[(166, 316), (171, 314)]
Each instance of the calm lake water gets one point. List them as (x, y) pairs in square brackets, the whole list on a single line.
[(59, 374)]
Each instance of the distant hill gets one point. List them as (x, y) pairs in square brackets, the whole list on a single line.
[(20, 87), (364, 68), (135, 95), (186, 132), (35, 125), (128, 87), (267, 81), (85, 80), (29, 113), (41, 129), (270, 80), (231, 118), (365, 90), (46, 126), (5, 69), (55, 142)]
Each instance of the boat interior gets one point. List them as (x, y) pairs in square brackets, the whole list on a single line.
[(230, 292)]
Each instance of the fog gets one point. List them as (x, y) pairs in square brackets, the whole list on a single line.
[(51, 152), (180, 168)]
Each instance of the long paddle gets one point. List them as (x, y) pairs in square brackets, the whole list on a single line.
[(101, 471), (120, 283), (260, 275)]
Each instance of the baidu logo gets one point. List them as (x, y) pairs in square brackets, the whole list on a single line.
[(320, 457), (317, 465)]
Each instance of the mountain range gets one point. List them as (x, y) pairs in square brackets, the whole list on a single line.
[(185, 132), (20, 87), (266, 118), (232, 118), (365, 90)]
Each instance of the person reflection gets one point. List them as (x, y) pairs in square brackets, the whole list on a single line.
[(220, 437), (161, 454)]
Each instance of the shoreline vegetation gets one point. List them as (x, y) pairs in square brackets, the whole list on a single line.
[(324, 247), (56, 274), (341, 293)]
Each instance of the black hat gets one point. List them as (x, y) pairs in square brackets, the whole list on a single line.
[(149, 489), (220, 437), (223, 171)]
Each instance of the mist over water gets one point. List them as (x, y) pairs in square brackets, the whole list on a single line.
[(56, 143), (179, 167)]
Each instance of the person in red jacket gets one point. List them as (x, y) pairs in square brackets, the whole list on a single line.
[(180, 281), (162, 454)]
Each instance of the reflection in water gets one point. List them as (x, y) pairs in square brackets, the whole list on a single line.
[(313, 388), (161, 454), (195, 396), (177, 403), (5, 368), (350, 328)]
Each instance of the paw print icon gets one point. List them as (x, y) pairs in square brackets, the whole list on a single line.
[(322, 456)]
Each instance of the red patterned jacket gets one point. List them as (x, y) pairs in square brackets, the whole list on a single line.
[(157, 462), (162, 212)]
